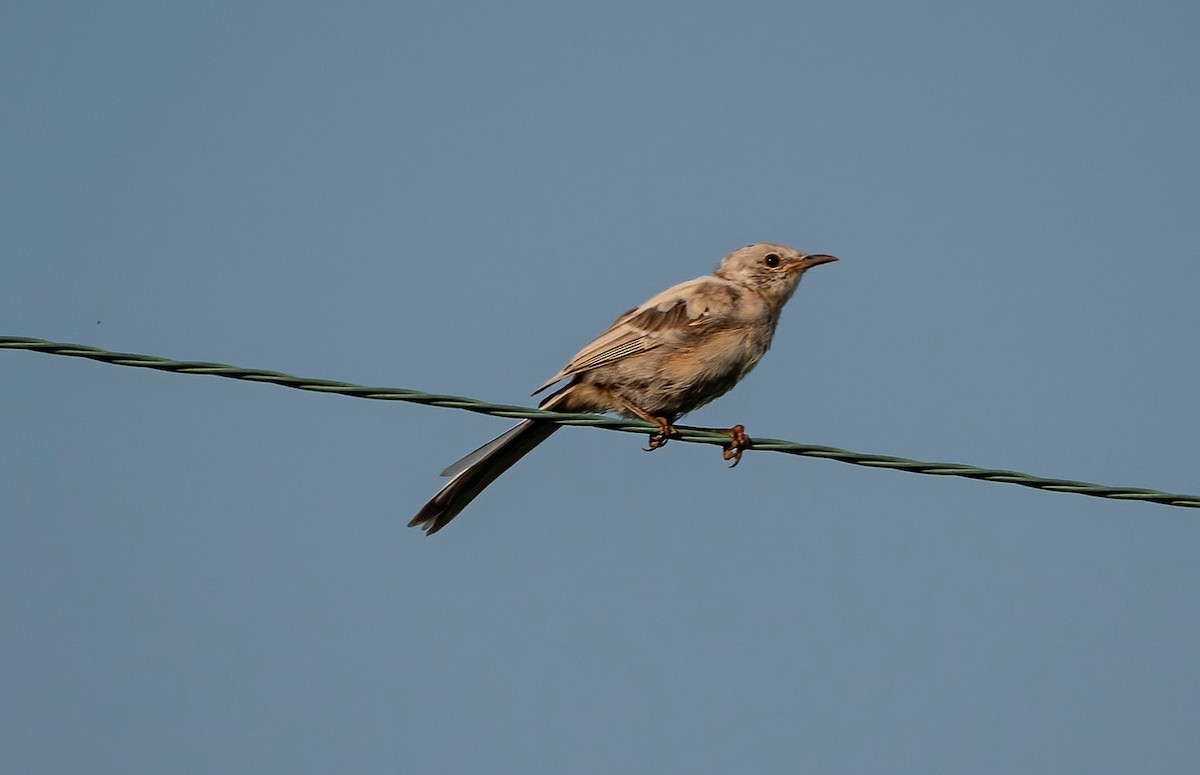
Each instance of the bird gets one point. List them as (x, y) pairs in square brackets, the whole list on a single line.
[(673, 354)]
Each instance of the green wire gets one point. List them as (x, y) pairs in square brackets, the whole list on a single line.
[(686, 433)]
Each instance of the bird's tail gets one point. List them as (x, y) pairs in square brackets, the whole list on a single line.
[(477, 470)]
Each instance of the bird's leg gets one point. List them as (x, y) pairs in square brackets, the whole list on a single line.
[(738, 442), (665, 429), (664, 434)]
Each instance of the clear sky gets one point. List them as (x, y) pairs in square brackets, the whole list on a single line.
[(200, 575)]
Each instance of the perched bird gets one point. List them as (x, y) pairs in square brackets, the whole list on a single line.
[(675, 353)]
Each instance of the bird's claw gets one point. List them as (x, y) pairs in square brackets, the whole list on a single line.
[(660, 437), (738, 443)]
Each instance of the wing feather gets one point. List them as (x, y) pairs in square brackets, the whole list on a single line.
[(643, 328)]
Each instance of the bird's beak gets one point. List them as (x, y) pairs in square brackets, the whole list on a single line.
[(811, 261)]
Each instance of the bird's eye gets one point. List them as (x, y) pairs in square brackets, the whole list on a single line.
[(772, 260)]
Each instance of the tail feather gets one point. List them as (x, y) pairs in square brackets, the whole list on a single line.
[(479, 469)]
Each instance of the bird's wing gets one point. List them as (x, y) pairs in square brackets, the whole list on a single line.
[(686, 307)]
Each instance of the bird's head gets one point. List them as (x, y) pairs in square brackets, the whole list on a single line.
[(773, 271)]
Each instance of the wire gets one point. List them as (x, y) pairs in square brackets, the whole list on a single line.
[(687, 434)]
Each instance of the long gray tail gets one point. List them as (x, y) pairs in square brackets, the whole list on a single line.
[(479, 469)]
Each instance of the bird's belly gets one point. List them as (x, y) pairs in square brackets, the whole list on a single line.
[(670, 381)]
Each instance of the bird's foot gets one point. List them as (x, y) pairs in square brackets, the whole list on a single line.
[(661, 436), (738, 443)]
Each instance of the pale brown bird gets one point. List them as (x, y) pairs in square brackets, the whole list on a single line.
[(675, 353)]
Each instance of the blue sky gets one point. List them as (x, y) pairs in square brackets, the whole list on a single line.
[(202, 575)]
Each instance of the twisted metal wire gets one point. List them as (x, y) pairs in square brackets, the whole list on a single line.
[(688, 434)]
